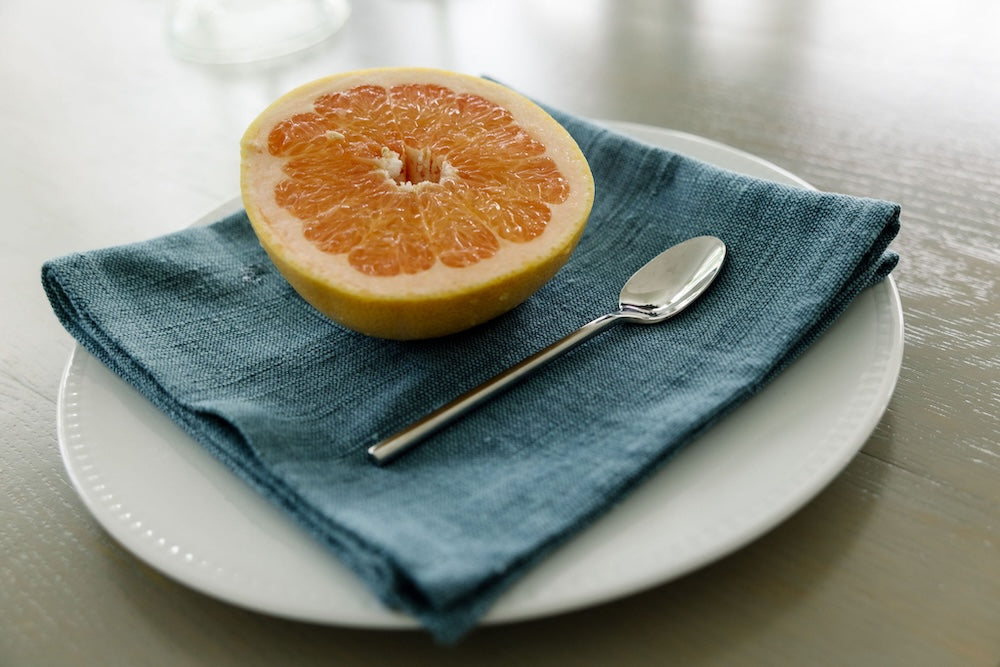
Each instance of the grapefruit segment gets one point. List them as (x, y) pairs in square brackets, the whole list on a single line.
[(412, 203)]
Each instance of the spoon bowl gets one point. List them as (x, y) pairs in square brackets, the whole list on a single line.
[(663, 287), (669, 282)]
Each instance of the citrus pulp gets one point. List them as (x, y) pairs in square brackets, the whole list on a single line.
[(412, 203)]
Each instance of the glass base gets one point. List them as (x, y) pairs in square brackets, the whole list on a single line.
[(242, 31)]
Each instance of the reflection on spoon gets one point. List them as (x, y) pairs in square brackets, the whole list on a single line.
[(665, 286)]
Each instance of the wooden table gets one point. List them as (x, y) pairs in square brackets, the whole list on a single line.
[(108, 138)]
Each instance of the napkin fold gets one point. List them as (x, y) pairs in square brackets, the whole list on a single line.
[(201, 323)]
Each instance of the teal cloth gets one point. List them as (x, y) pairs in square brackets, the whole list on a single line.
[(200, 323)]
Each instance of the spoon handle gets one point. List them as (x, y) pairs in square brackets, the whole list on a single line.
[(388, 449)]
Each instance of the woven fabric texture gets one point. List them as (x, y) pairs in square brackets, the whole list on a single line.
[(201, 323)]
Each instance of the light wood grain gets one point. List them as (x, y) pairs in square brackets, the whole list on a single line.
[(107, 139)]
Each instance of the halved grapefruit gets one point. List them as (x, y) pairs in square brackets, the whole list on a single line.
[(412, 203)]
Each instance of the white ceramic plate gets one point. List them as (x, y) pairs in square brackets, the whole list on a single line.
[(159, 494)]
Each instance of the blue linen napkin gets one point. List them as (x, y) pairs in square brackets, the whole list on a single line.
[(201, 323)]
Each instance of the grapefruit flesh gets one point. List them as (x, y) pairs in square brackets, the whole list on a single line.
[(413, 203)]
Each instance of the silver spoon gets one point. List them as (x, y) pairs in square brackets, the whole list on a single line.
[(665, 286)]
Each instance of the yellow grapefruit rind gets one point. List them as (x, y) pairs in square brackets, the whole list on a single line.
[(442, 300)]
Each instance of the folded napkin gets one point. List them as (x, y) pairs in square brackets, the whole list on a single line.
[(201, 323)]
